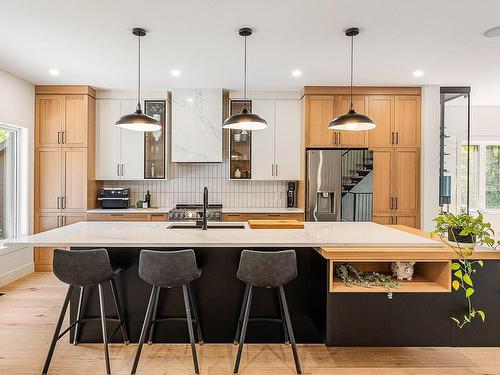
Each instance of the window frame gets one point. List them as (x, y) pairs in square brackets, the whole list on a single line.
[(481, 143), (16, 176)]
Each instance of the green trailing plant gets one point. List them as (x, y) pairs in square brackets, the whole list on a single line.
[(350, 275), (452, 229)]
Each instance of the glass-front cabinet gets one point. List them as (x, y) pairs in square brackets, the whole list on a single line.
[(154, 142), (240, 146)]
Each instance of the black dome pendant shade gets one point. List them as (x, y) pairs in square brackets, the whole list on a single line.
[(245, 120), (351, 120), (139, 121)]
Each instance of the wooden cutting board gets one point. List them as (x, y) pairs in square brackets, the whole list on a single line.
[(276, 224)]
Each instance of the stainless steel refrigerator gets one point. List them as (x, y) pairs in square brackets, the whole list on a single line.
[(339, 185)]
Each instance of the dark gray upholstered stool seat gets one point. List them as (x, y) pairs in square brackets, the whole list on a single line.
[(82, 269), (169, 269), (266, 269)]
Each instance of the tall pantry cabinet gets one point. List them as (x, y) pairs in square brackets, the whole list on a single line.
[(64, 160), (395, 142)]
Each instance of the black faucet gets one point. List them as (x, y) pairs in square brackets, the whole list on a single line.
[(202, 222)]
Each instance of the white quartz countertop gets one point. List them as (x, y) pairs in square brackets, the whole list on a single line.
[(229, 210), (156, 234)]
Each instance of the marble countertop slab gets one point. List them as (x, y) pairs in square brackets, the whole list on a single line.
[(156, 234)]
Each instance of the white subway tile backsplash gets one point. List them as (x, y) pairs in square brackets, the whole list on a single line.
[(186, 181)]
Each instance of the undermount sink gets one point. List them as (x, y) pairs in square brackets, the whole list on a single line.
[(209, 226)]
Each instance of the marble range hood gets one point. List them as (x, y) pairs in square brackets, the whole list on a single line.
[(197, 116)]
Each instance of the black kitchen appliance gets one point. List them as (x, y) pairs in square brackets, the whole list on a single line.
[(114, 198), (291, 194), (192, 212)]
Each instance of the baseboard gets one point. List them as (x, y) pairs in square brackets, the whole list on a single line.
[(13, 275)]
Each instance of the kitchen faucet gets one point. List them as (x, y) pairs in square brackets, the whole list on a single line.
[(202, 222)]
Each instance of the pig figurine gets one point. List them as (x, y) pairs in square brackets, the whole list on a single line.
[(402, 270)]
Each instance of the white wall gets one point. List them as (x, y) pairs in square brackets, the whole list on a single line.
[(430, 156), (17, 108)]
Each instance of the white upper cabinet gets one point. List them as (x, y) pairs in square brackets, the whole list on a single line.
[(263, 142), (276, 149), (197, 126), (119, 152), (287, 140), (132, 147), (107, 139)]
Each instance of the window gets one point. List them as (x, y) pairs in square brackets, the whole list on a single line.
[(484, 176), (8, 181)]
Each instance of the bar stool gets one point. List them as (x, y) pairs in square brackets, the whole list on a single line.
[(261, 269), (84, 268), (168, 269)]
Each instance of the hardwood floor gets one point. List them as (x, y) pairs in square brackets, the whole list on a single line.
[(29, 309)]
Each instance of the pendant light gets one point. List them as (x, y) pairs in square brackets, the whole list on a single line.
[(139, 121), (245, 120), (351, 120)]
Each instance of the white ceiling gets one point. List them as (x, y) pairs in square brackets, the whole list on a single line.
[(90, 43)]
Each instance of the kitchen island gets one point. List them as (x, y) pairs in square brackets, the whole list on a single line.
[(323, 309)]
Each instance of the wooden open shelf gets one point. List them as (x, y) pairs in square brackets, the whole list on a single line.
[(429, 277)]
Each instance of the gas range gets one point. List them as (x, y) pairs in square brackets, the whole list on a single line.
[(191, 212)]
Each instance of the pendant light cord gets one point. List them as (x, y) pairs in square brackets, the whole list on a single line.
[(245, 77), (352, 64), (139, 78)]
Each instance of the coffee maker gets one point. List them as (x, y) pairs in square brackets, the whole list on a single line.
[(291, 194)]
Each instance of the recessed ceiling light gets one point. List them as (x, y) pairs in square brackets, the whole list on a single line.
[(189, 100), (492, 33), (296, 73), (54, 72), (175, 72), (418, 73)]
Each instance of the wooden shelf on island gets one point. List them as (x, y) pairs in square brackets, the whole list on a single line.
[(429, 277)]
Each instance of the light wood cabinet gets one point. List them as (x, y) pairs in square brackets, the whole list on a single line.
[(381, 111), (74, 196), (395, 142), (64, 160), (407, 121), (61, 120), (319, 112), (382, 180), (126, 217), (261, 216), (351, 138)]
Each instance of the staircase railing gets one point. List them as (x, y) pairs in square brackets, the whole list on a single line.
[(357, 207)]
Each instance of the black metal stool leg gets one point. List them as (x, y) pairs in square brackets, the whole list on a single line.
[(195, 315), (145, 326), (153, 319), (119, 311), (240, 318), (290, 330), (190, 327), (104, 330), (248, 305), (283, 322), (79, 316), (57, 330)]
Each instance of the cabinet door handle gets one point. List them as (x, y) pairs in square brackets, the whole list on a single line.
[(58, 138), (396, 220), (391, 202), (340, 138), (58, 224), (122, 170), (63, 202), (335, 138), (274, 215), (396, 203), (58, 204), (63, 219), (272, 169), (392, 138), (118, 169), (276, 170), (397, 137), (62, 137)]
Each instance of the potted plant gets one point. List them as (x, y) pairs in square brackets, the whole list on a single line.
[(463, 232)]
